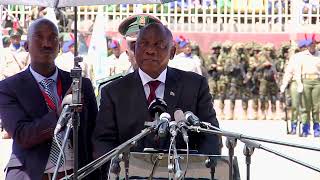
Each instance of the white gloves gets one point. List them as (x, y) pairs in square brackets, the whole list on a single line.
[(299, 87), (283, 88)]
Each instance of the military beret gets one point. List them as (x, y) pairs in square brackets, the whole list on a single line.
[(114, 44), (15, 32), (130, 26), (5, 39)]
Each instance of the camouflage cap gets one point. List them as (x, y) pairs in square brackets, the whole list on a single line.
[(15, 32), (130, 26), (268, 46), (215, 45)]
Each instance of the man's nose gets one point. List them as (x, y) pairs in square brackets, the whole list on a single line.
[(150, 50), (46, 43)]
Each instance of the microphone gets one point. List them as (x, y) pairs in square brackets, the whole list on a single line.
[(181, 123), (157, 107), (191, 118), (65, 114), (173, 128), (163, 124)]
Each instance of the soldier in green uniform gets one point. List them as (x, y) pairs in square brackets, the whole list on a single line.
[(268, 88), (212, 69), (281, 63), (223, 79), (236, 67), (308, 83), (252, 80)]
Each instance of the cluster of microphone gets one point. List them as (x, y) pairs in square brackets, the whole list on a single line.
[(166, 124)]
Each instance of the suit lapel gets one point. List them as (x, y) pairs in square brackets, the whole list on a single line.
[(138, 93), (66, 81), (34, 101), (172, 89)]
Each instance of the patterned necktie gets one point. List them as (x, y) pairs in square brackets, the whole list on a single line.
[(153, 85), (48, 85)]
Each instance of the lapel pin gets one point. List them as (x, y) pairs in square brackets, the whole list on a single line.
[(172, 93)]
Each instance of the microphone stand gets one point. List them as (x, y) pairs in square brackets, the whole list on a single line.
[(260, 146), (231, 144), (123, 148), (76, 106), (64, 142), (217, 131), (248, 151), (246, 139)]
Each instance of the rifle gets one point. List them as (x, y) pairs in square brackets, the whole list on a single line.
[(284, 101)]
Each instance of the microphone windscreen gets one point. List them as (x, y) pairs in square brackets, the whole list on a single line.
[(178, 115)]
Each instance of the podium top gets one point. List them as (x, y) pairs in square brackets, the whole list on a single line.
[(155, 166)]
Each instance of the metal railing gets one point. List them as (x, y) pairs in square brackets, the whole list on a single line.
[(243, 16)]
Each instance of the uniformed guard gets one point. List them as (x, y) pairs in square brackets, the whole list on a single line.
[(129, 29), (212, 69), (289, 79), (308, 83), (186, 61), (223, 81), (268, 88), (14, 58)]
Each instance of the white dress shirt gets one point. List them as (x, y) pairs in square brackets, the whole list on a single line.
[(145, 78)]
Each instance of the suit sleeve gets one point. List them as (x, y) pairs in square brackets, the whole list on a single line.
[(208, 144), (25, 131), (105, 136)]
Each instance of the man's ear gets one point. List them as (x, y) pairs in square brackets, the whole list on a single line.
[(172, 52), (26, 46)]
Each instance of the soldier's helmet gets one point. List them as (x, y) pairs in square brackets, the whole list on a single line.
[(257, 47), (285, 47), (227, 44), (195, 48), (215, 45), (268, 47)]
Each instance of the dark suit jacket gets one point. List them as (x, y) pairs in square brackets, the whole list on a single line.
[(123, 111), (26, 118)]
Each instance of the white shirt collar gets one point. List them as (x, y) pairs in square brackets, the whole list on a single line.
[(145, 78), (39, 77)]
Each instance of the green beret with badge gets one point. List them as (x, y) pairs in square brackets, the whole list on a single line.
[(130, 26)]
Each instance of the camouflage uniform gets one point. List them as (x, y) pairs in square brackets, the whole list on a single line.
[(236, 67), (268, 88), (223, 79), (252, 80), (212, 69)]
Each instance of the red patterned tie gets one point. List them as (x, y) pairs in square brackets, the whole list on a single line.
[(153, 87)]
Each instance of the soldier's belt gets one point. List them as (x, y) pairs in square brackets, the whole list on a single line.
[(311, 76)]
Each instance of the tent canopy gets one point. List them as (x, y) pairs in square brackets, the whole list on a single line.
[(68, 3)]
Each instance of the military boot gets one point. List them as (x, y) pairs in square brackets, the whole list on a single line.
[(255, 115), (293, 128), (305, 129), (263, 115), (245, 115), (316, 130), (230, 116)]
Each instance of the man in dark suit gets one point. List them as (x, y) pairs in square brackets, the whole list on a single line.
[(124, 102), (30, 111)]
